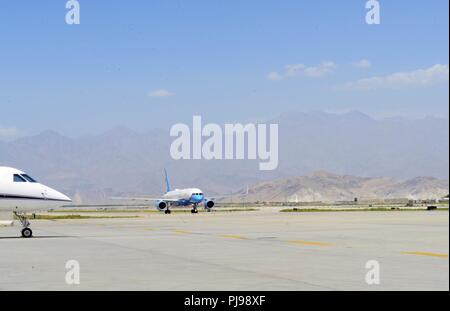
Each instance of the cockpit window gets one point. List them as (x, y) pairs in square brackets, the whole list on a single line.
[(28, 178), (18, 178)]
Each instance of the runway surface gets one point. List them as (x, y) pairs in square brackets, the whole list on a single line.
[(263, 250)]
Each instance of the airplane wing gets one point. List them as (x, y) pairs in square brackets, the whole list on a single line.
[(218, 197), (221, 197), (143, 199)]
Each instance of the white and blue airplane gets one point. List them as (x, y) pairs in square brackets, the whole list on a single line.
[(179, 197), (21, 194)]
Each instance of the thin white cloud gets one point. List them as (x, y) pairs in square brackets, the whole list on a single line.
[(161, 93), (295, 70), (8, 133), (362, 64), (321, 70), (417, 78)]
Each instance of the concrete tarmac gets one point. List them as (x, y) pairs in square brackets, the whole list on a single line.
[(262, 250)]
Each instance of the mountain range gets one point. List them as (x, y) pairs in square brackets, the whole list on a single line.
[(125, 162)]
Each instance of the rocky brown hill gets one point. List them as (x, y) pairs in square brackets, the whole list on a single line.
[(327, 187)]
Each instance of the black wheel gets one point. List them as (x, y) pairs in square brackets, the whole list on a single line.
[(194, 211), (27, 233), (168, 211)]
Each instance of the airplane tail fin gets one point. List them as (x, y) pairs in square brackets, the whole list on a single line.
[(167, 181)]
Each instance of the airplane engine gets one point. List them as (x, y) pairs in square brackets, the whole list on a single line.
[(209, 204), (161, 206)]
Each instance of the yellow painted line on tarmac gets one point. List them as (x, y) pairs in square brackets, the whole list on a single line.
[(428, 254), (237, 237), (301, 242), (183, 232)]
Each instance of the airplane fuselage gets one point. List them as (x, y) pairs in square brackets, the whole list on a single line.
[(20, 192), (185, 197), (178, 197)]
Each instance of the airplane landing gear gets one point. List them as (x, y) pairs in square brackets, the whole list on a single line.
[(26, 231), (168, 211), (194, 210)]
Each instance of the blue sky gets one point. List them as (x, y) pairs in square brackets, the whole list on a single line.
[(147, 64)]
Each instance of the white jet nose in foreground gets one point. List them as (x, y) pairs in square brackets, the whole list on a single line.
[(53, 195)]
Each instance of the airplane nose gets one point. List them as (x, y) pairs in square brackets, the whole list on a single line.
[(52, 194), (65, 197), (197, 198)]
